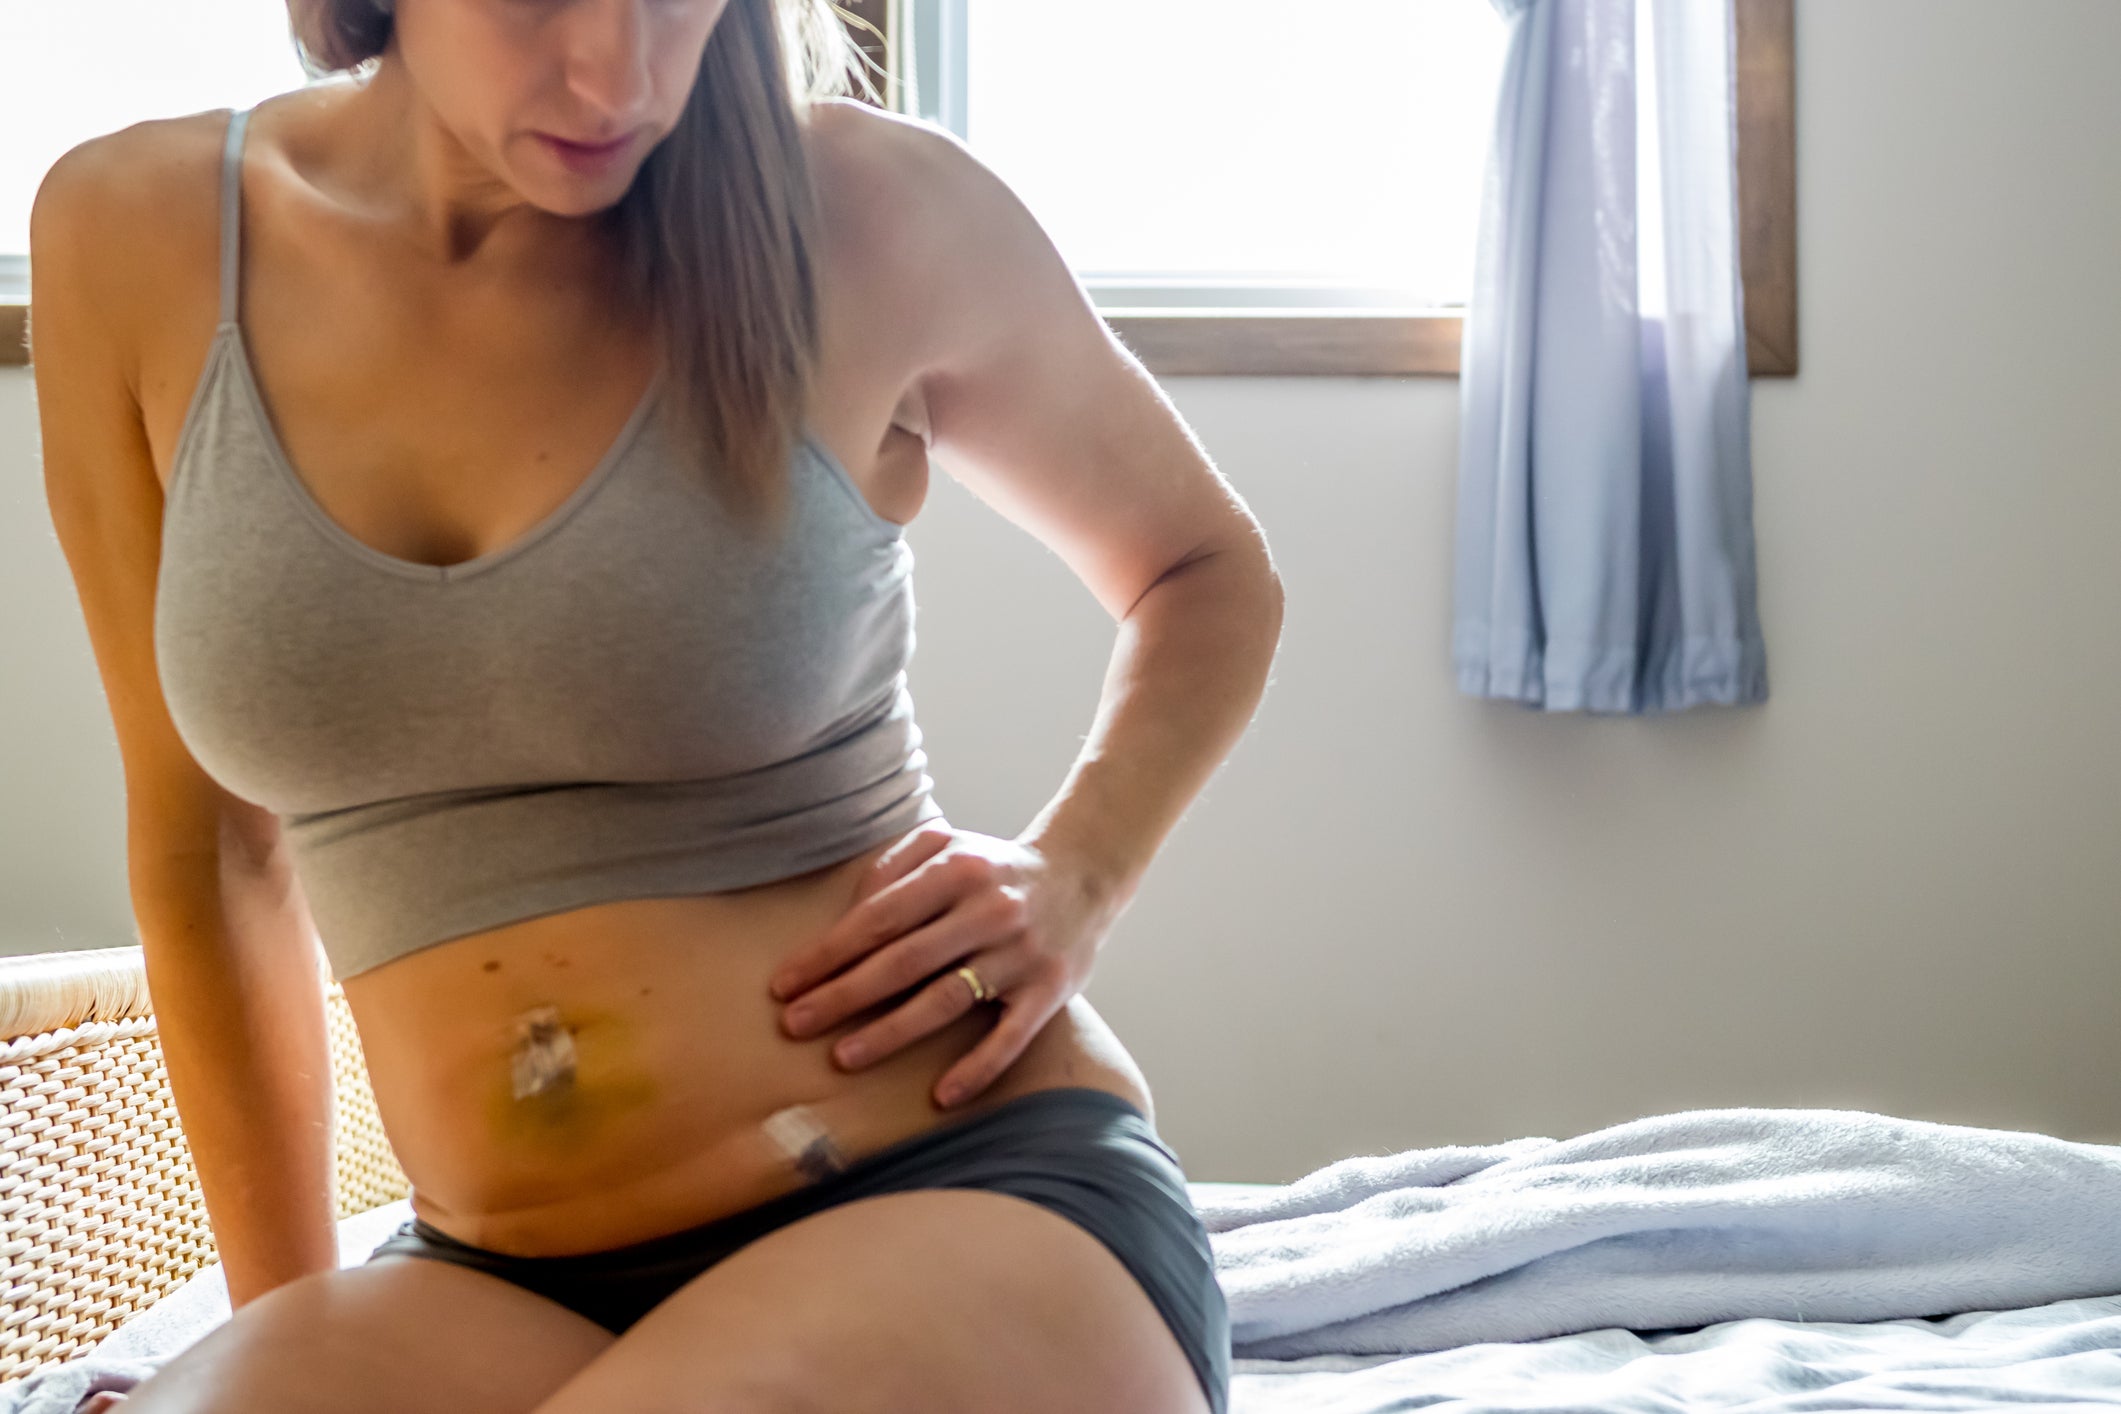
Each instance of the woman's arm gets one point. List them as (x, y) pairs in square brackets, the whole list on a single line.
[(231, 956), (239, 1012), (1042, 413), (1187, 673)]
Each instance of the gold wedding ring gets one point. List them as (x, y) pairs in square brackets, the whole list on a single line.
[(979, 988)]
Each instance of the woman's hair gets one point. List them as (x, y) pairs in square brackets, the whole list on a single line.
[(719, 230)]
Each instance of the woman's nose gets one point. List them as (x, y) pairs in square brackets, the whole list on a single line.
[(607, 59)]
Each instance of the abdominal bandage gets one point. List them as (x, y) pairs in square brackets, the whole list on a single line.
[(803, 1138), (544, 1055)]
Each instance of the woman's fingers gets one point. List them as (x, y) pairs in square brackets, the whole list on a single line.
[(892, 970), (892, 911), (941, 1002)]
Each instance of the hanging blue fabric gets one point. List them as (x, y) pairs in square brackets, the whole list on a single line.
[(1604, 557)]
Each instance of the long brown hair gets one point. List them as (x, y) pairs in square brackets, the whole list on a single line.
[(718, 230)]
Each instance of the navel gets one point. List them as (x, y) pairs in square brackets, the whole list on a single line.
[(544, 1057)]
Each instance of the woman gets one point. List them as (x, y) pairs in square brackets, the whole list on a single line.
[(602, 793)]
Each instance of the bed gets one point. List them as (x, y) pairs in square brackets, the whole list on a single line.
[(1377, 1283)]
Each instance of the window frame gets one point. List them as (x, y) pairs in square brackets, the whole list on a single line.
[(1362, 340)]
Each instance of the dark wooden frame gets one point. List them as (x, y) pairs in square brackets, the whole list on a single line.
[(1343, 341), (1767, 182), (14, 333)]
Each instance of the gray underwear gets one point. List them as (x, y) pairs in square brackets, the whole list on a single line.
[(1085, 1153)]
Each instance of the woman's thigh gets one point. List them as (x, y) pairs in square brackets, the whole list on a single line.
[(395, 1335), (1042, 1258), (936, 1301)]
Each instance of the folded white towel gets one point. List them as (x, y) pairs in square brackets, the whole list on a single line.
[(1667, 1222)]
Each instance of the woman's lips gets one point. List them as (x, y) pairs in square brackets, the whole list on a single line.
[(582, 158)]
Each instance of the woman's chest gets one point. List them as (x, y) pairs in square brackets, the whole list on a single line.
[(644, 635)]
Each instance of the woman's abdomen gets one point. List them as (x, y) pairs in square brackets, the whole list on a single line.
[(651, 1115)]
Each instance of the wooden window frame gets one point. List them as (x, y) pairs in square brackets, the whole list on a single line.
[(1425, 343)]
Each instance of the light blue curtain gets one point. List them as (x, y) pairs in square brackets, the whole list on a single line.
[(1604, 557)]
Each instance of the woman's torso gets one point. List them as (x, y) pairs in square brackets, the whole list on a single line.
[(680, 1054)]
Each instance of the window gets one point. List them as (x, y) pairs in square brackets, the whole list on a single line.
[(1223, 156), (1203, 165), (1207, 166)]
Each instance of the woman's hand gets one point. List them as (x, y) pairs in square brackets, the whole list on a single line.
[(939, 898)]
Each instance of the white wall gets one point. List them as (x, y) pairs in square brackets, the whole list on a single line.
[(1399, 917)]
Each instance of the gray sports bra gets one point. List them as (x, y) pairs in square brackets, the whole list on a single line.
[(635, 698)]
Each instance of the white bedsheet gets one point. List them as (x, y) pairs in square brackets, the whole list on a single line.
[(2040, 1360)]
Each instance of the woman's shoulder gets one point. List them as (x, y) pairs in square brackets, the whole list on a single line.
[(886, 177), (147, 160), (841, 127), (927, 219), (902, 200), (140, 207)]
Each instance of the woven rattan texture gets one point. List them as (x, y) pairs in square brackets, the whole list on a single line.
[(100, 1209), (367, 1168)]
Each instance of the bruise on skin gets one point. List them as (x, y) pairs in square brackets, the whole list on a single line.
[(569, 1069)]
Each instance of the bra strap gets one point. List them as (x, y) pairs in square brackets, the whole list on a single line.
[(231, 212)]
